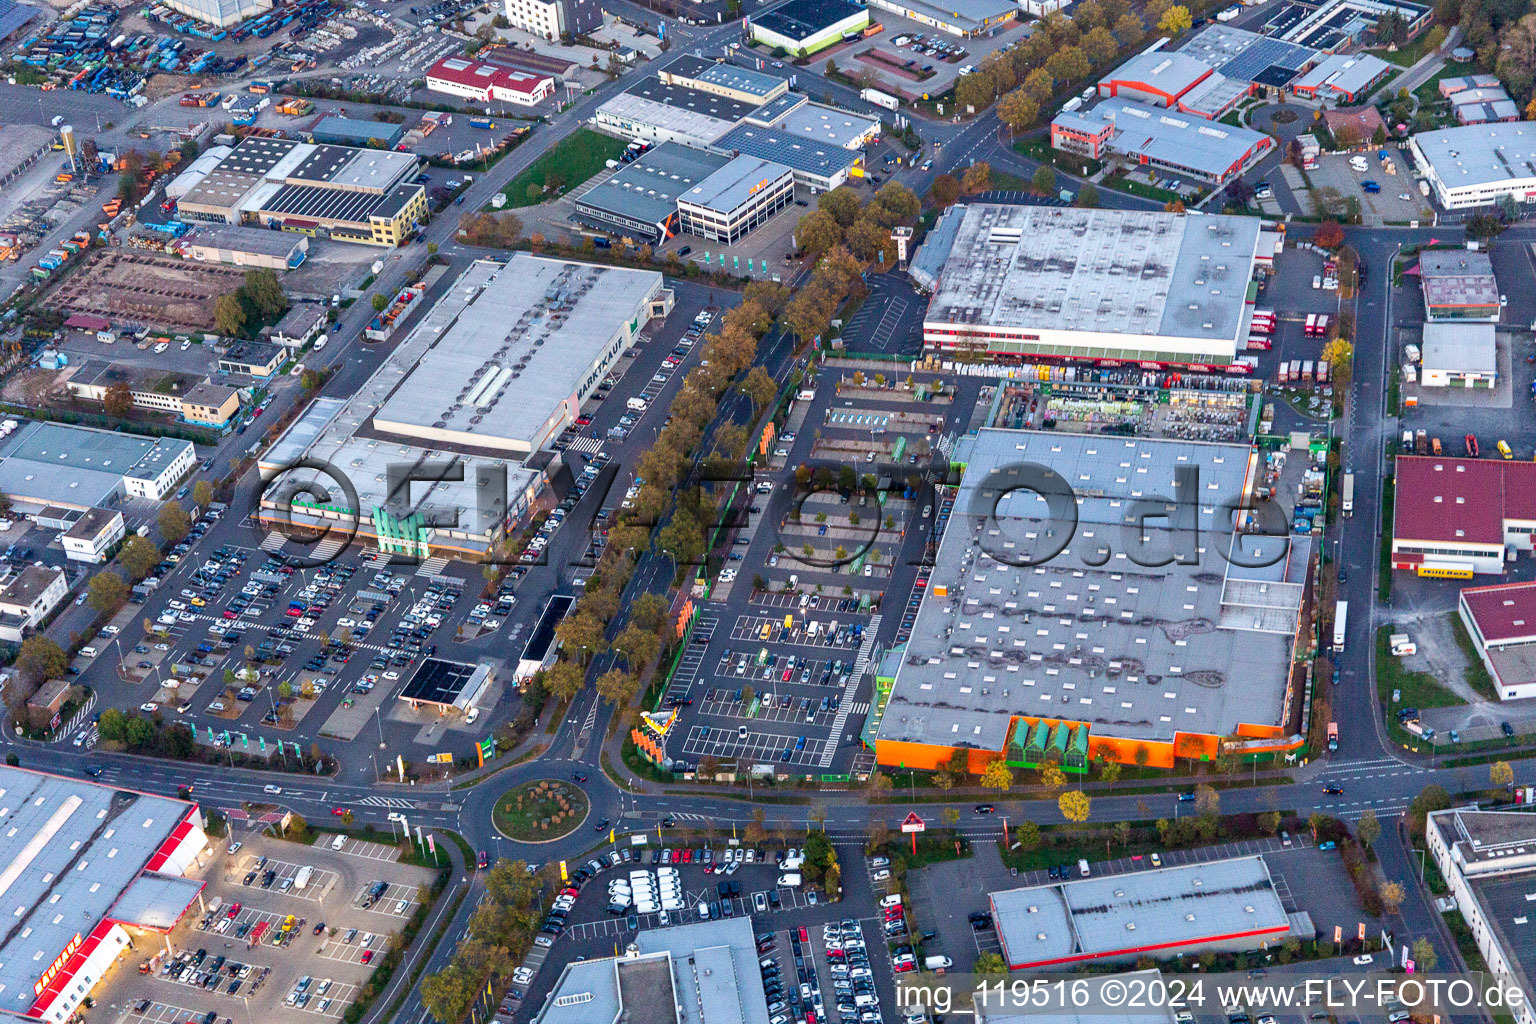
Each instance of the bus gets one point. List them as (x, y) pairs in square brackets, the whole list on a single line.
[(1340, 616), (1349, 494)]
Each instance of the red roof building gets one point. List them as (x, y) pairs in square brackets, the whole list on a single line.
[(1501, 621), (487, 83), (1456, 517)]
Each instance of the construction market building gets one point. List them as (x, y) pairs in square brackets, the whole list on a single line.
[(1110, 647)]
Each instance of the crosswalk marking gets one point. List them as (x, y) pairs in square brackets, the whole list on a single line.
[(433, 566), (394, 803), (585, 445), (845, 708)]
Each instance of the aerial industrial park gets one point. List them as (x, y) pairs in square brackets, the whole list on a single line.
[(767, 511)]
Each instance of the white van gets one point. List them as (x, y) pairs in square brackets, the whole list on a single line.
[(87, 652), (1082, 868), (338, 842), (637, 404)]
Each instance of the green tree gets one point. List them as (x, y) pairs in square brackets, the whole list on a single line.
[(637, 645), (581, 634), (1175, 20), (265, 293), (118, 401), (202, 494), (759, 386), (448, 994), (617, 687), (107, 591), (564, 680), (1368, 829), (997, 775), (1392, 895), (113, 725), (40, 658), (1044, 180), (379, 302), (173, 522), (990, 963), (1038, 86), (1424, 956), (817, 232), (229, 315), (841, 204), (1074, 805), (139, 733), (1207, 801), (1269, 822), (138, 556), (649, 611), (1028, 835), (1018, 109), (946, 187)]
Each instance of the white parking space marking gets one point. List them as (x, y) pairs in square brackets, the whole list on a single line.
[(760, 746), (363, 848)]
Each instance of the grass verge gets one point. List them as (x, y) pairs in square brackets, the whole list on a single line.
[(572, 161), (1419, 689), (540, 810), (1476, 673)]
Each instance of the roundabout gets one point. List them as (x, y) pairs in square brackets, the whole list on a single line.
[(540, 811)]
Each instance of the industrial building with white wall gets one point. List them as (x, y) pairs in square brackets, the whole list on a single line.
[(1017, 281), (1488, 861), (1457, 517), (1501, 620), (89, 869), (1213, 907), (1478, 165)]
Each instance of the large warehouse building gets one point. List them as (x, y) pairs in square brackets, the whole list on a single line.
[(90, 868), (802, 27), (1501, 621), (512, 370), (1478, 165), (1456, 517), (1179, 145), (81, 467), (1030, 281), (1215, 907), (367, 196), (700, 973), (494, 370), (1488, 859), (1130, 654)]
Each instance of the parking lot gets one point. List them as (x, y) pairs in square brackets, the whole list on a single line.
[(775, 669), (1384, 197), (241, 644), (278, 930)]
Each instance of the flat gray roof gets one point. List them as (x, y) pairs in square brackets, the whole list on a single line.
[(693, 123), (341, 436), (237, 239), (1162, 70), (1119, 271), (824, 125), (1484, 154), (1136, 652), (1460, 348), (1506, 902), (1183, 140), (781, 147), (1458, 277), (714, 969), (735, 183), (57, 463), (1119, 914), (70, 848), (648, 188), (727, 76), (968, 15), (525, 342), (1347, 73)]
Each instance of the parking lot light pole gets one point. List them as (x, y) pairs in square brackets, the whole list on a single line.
[(379, 719)]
